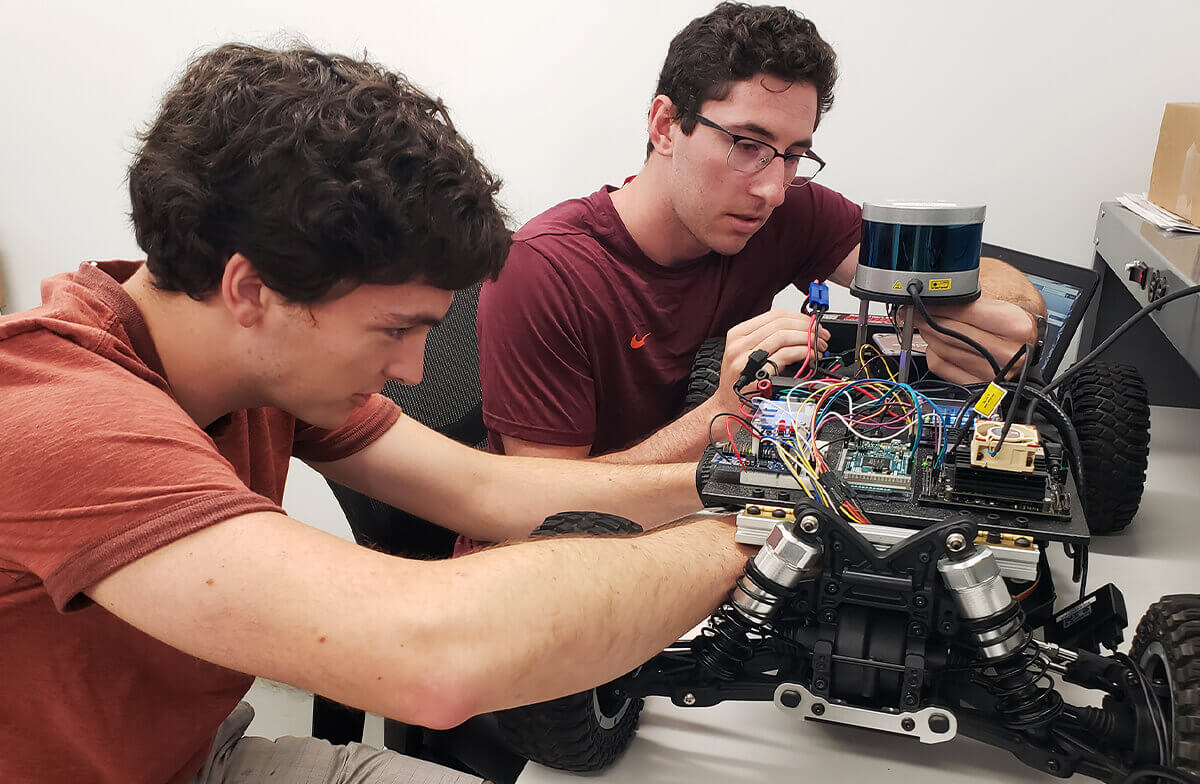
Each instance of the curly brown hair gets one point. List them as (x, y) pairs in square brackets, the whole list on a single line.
[(736, 41), (319, 168)]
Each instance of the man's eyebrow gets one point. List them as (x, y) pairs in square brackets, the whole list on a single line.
[(411, 319), (753, 129)]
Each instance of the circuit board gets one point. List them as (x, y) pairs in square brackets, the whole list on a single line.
[(878, 467), (903, 486)]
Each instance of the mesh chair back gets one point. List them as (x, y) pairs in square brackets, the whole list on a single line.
[(449, 401), (448, 397)]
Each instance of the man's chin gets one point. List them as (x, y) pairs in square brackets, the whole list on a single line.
[(730, 246)]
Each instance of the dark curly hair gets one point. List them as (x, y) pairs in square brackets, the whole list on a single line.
[(736, 41), (319, 168)]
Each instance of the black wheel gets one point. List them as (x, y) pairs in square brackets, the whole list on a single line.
[(1167, 650), (706, 372), (580, 732), (1110, 410)]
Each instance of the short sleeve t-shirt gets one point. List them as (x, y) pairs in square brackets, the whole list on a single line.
[(583, 339), (100, 466)]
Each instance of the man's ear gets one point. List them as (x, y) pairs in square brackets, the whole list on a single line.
[(242, 291), (663, 125)]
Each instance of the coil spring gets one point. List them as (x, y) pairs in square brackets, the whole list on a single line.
[(724, 646), (1025, 696)]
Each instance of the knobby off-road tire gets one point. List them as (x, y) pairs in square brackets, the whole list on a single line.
[(705, 377), (1167, 649), (1110, 410), (580, 732)]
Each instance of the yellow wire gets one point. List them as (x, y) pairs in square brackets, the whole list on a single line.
[(878, 355), (808, 470)]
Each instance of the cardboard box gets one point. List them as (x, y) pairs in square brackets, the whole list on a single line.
[(1175, 178)]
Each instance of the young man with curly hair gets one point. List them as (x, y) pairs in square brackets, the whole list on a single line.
[(722, 216), (305, 218)]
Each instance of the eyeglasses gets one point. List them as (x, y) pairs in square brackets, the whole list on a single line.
[(751, 156)]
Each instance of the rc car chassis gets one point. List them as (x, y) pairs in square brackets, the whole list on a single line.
[(947, 627)]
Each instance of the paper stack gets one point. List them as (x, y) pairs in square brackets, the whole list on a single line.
[(1145, 209)]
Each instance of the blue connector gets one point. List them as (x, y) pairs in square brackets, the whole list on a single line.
[(818, 295)]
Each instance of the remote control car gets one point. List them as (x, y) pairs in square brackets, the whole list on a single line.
[(903, 580)]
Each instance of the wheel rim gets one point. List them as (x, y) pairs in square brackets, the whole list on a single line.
[(610, 702), (1153, 663)]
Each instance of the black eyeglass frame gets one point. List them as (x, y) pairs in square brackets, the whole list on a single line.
[(796, 182)]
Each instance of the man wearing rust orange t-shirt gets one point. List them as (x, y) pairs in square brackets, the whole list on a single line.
[(306, 218)]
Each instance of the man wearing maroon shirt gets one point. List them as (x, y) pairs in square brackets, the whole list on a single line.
[(587, 337)]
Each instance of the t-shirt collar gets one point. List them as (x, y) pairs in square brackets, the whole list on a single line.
[(104, 279)]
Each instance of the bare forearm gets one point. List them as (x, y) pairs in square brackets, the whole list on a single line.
[(588, 610), (426, 642), (517, 493), (1001, 281), (681, 441), (496, 498)]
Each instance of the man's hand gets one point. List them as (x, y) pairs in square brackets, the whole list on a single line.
[(782, 334), (1000, 327)]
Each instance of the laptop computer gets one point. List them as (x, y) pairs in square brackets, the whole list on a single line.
[(1067, 290)]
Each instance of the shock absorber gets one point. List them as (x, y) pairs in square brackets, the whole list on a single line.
[(770, 578), (1013, 666)]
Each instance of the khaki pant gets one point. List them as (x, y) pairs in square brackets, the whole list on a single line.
[(236, 759)]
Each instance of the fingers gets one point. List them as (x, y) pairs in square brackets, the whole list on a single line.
[(750, 325), (949, 371), (948, 352), (992, 316), (783, 323)]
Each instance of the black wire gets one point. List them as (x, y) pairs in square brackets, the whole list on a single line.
[(1091, 355), (1164, 774), (749, 425), (1073, 450), (1011, 415), (1160, 730), (915, 293)]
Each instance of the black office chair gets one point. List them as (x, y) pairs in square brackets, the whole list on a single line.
[(448, 400)]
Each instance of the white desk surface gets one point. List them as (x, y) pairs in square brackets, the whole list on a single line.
[(755, 742)]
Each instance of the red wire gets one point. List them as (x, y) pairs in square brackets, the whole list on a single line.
[(729, 431), (812, 324)]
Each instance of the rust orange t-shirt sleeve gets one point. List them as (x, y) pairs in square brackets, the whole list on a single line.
[(100, 468), (366, 424)]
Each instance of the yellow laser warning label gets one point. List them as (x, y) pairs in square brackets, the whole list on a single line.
[(939, 284), (897, 287), (990, 399)]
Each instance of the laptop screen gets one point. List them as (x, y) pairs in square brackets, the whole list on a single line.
[(1060, 300), (1067, 290)]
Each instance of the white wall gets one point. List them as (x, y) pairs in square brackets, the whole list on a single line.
[(1039, 109)]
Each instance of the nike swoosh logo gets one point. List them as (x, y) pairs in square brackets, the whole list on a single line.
[(636, 342)]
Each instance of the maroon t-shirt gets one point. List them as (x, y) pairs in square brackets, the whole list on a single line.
[(585, 340)]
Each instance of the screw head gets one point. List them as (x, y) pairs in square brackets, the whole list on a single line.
[(920, 601), (819, 684), (1052, 765), (956, 543), (809, 524), (910, 699), (818, 709), (689, 699), (907, 724)]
